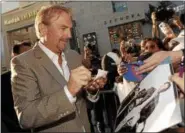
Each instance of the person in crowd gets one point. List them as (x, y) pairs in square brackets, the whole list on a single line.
[(122, 47), (25, 47), (169, 44), (155, 31), (94, 108), (93, 62), (109, 63), (20, 48), (153, 45), (110, 100), (179, 22), (16, 50), (142, 46), (126, 51), (9, 117), (88, 57), (48, 81), (133, 49), (180, 42)]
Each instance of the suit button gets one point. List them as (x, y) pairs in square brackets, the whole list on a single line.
[(61, 115), (67, 112)]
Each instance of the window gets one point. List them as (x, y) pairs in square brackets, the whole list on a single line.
[(119, 6), (128, 31)]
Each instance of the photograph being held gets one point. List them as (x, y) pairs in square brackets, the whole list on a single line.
[(145, 103)]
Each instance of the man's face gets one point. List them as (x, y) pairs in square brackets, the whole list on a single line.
[(58, 32)]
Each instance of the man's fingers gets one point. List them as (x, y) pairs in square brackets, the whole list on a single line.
[(82, 70), (83, 82)]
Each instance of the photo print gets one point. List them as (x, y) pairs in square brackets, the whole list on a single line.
[(151, 106)]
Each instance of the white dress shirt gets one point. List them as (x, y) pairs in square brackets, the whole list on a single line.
[(63, 69)]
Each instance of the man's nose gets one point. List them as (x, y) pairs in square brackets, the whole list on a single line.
[(69, 34)]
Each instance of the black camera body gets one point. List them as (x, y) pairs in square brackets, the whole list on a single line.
[(164, 14)]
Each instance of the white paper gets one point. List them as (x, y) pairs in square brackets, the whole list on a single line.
[(101, 73)]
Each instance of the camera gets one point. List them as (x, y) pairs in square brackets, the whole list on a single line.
[(164, 14)]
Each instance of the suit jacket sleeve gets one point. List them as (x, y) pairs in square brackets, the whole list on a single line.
[(34, 110)]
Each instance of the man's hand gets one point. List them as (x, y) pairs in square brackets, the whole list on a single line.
[(96, 84), (157, 58), (79, 77)]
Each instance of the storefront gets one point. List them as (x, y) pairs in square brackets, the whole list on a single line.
[(18, 24), (132, 30)]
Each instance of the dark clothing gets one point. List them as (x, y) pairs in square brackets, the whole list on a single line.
[(8, 115)]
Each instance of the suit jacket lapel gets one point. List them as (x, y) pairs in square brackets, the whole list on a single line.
[(48, 65)]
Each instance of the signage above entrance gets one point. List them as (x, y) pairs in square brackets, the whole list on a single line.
[(124, 19), (21, 18)]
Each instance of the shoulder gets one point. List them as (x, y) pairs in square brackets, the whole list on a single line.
[(24, 57)]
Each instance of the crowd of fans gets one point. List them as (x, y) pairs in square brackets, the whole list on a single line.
[(151, 50)]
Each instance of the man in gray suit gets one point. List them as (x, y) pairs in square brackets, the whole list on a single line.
[(47, 81)]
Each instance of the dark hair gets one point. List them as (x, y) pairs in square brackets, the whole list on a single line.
[(144, 56), (89, 47), (26, 44), (182, 18), (16, 48), (158, 41), (116, 51)]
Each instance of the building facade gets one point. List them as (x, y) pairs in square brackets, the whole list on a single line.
[(105, 18)]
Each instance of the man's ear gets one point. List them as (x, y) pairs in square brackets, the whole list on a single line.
[(42, 30)]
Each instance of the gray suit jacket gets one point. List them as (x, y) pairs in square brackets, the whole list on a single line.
[(39, 97)]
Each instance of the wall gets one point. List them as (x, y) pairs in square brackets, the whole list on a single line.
[(91, 16)]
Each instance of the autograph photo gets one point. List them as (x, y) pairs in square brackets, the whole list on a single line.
[(151, 105)]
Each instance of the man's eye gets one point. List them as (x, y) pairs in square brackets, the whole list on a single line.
[(63, 28)]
